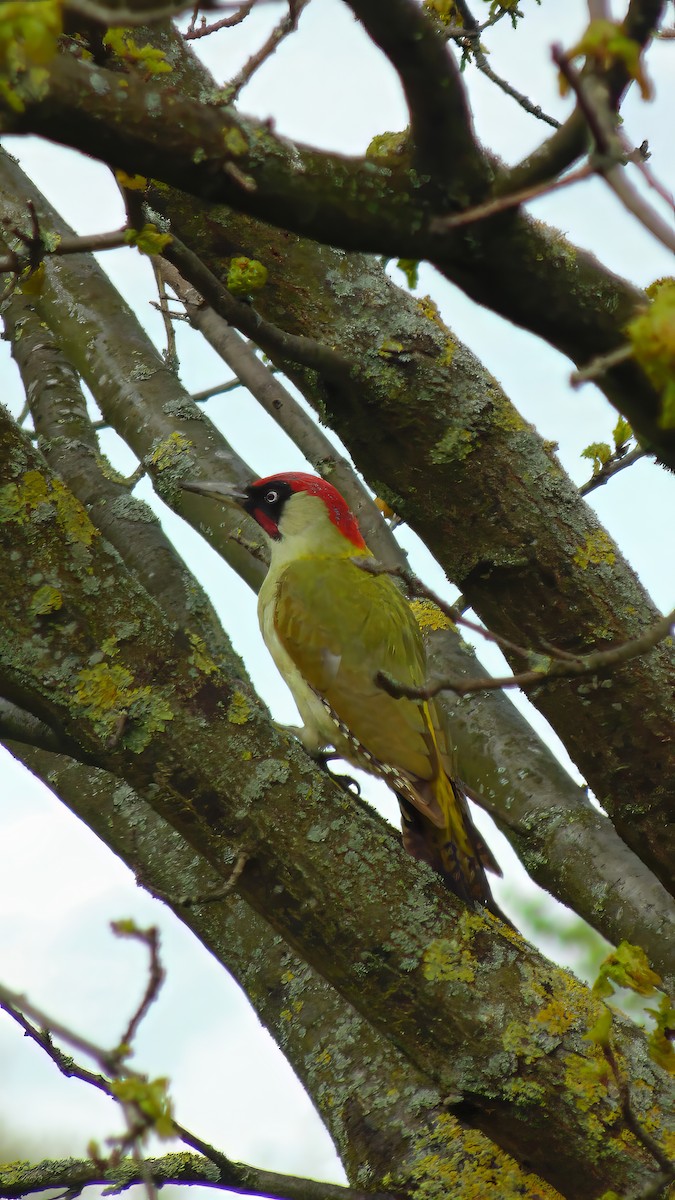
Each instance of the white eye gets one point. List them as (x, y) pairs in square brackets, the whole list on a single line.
[(271, 497)]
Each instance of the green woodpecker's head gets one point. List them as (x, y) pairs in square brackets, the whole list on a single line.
[(292, 505)]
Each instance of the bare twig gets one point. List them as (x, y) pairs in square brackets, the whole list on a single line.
[(501, 203), (598, 366), (416, 587), (563, 665), (601, 122), (588, 664), (286, 25), (232, 1175), (219, 389), (467, 36), (170, 354), (617, 462), (156, 976), (241, 11), (37, 248), (269, 337)]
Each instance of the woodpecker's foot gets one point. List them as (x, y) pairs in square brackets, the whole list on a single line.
[(346, 782)]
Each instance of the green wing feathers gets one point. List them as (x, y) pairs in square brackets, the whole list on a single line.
[(340, 626)]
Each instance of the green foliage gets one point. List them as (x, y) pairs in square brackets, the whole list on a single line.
[(627, 967), (622, 433), (149, 239), (605, 43), (599, 1033), (652, 334), (122, 43), (246, 275), (661, 1038), (410, 268), (151, 1098), (29, 33), (599, 452)]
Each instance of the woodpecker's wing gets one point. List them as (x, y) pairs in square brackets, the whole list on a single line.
[(341, 626)]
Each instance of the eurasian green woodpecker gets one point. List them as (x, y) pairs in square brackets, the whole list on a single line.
[(330, 627)]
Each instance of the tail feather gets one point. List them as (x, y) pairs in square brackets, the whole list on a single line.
[(455, 850)]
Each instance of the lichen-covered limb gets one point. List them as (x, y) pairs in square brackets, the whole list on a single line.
[(435, 435), (23, 1179), (389, 1121), (511, 264), (461, 996), (407, 423), (70, 445)]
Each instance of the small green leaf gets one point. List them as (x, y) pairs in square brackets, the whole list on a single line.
[(661, 1039), (600, 1031), (622, 433), (245, 275), (627, 967), (605, 43), (148, 240), (410, 268), (599, 453), (652, 334)]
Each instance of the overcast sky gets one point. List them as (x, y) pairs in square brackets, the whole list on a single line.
[(60, 887)]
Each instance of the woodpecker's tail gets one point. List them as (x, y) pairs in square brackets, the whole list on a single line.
[(453, 848)]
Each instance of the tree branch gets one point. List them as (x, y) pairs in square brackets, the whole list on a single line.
[(444, 145), (188, 1169)]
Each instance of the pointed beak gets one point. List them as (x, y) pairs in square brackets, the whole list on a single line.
[(216, 491)]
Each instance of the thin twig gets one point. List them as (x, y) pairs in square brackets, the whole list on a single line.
[(219, 389), (269, 337), (501, 203), (156, 974), (470, 31), (65, 245), (170, 354), (562, 666), (416, 587), (233, 1175), (240, 13), (602, 125), (598, 366), (286, 25), (617, 462), (588, 664)]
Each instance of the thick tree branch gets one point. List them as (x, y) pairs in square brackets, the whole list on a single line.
[(508, 456)]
